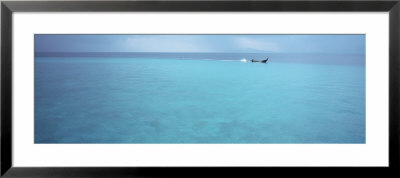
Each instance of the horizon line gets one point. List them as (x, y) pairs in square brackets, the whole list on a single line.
[(194, 52)]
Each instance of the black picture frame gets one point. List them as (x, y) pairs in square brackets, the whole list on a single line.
[(8, 7)]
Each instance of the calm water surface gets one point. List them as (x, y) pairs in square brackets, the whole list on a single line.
[(174, 100)]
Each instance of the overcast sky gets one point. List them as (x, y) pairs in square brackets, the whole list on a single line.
[(338, 44)]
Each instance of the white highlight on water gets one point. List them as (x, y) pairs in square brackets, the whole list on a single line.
[(243, 60)]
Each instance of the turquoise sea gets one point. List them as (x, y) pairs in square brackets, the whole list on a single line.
[(199, 98)]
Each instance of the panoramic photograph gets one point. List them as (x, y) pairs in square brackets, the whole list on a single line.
[(199, 89)]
